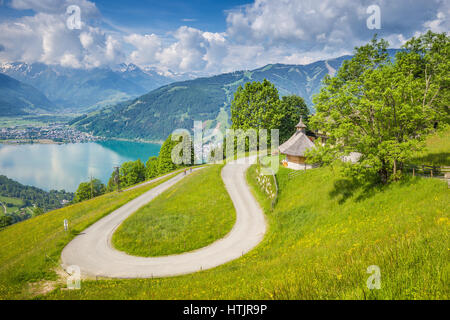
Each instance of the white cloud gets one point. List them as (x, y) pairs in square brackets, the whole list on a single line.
[(147, 46), (190, 50), (266, 31), (302, 31), (441, 21), (187, 53), (45, 37)]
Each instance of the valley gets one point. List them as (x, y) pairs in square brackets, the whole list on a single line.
[(120, 103), (333, 183), (127, 102), (80, 90), (156, 114)]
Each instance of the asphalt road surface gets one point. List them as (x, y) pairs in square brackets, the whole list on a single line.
[(94, 254)]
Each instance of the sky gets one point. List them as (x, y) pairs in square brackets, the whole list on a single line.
[(205, 36)]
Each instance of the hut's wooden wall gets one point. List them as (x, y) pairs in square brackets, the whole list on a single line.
[(295, 159)]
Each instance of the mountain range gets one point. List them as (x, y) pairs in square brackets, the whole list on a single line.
[(155, 115), (17, 98), (81, 90), (134, 103)]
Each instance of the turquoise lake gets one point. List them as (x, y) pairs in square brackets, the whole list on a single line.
[(64, 166)]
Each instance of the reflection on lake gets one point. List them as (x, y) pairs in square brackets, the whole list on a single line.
[(64, 166)]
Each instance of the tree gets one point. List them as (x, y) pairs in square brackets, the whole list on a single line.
[(165, 163), (291, 107), (151, 168), (37, 211), (382, 109), (89, 190), (132, 172), (5, 221), (256, 106)]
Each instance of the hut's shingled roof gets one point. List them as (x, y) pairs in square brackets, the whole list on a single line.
[(297, 145), (300, 124)]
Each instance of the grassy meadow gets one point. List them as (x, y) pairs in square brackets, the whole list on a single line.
[(323, 235), (320, 242), (437, 151), (11, 204), (190, 215), (30, 250)]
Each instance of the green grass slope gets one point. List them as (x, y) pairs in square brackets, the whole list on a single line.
[(322, 237), (320, 242), (437, 151), (190, 215), (30, 250)]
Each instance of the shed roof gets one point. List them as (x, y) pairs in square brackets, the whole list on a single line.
[(297, 145)]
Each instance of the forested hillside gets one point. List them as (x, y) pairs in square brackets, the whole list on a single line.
[(17, 98), (32, 195), (79, 90)]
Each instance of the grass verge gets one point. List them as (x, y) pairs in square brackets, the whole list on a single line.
[(30, 250), (437, 150), (190, 215), (322, 237), (319, 247)]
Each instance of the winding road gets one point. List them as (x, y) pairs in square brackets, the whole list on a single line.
[(94, 254)]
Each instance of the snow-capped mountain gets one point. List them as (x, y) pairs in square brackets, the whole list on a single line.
[(79, 90)]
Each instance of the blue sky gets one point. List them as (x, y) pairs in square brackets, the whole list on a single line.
[(160, 16), (206, 36)]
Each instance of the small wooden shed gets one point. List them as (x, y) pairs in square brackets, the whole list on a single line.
[(295, 148)]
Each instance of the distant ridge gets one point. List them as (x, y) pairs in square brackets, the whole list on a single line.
[(82, 90), (17, 98), (155, 115)]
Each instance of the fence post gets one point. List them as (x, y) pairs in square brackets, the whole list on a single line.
[(414, 171)]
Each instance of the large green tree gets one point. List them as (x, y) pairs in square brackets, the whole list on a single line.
[(257, 106), (291, 107), (89, 190), (383, 109), (165, 163), (130, 173), (151, 168)]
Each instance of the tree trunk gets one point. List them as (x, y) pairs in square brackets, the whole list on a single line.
[(395, 168), (383, 172)]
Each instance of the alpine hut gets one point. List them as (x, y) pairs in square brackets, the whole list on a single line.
[(295, 148)]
